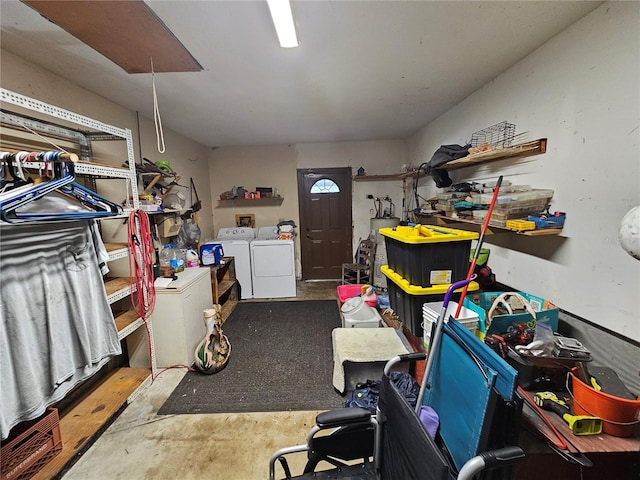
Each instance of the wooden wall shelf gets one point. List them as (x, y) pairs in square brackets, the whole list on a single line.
[(391, 176), (527, 149), (252, 201), (444, 220)]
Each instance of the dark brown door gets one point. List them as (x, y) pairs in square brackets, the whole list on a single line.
[(324, 196)]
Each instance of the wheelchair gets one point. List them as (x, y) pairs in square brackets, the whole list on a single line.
[(471, 389)]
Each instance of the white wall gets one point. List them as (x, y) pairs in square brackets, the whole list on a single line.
[(276, 166), (581, 90), (251, 167)]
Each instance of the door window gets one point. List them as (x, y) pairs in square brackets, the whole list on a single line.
[(325, 185)]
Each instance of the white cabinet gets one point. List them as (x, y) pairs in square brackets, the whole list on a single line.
[(177, 325)]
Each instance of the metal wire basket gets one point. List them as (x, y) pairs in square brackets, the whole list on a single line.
[(498, 135)]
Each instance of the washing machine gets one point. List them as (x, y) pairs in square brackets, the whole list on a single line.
[(273, 265), (235, 243)]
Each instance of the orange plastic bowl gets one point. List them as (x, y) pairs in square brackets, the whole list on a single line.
[(619, 415)]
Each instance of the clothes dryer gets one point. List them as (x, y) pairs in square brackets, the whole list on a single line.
[(235, 243), (273, 265)]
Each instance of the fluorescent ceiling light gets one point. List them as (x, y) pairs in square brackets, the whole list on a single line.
[(283, 21)]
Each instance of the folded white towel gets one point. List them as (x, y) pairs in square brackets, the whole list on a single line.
[(363, 345)]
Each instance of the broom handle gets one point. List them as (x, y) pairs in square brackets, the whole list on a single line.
[(472, 267)]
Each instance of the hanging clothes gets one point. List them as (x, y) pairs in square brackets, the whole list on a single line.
[(57, 328)]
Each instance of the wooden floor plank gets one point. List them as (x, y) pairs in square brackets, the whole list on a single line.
[(86, 419)]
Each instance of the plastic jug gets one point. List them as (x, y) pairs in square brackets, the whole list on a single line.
[(181, 259), (211, 253), (192, 258), (167, 256)]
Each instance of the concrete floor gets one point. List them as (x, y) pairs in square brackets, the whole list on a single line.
[(143, 445)]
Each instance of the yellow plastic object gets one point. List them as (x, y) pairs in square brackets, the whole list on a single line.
[(578, 424), (416, 290), (520, 225), (427, 234)]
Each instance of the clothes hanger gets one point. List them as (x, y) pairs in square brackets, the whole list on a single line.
[(23, 194), (70, 202), (17, 177), (91, 204)]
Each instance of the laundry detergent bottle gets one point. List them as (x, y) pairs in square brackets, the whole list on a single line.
[(211, 253), (192, 258)]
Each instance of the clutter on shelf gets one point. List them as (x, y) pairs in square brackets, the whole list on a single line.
[(157, 182), (517, 207), (241, 192), (523, 329), (174, 201), (498, 136)]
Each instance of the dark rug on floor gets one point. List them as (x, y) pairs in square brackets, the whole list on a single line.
[(281, 359)]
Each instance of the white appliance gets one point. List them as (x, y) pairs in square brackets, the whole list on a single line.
[(273, 265), (235, 243), (176, 321)]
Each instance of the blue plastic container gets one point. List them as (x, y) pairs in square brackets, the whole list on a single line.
[(211, 253)]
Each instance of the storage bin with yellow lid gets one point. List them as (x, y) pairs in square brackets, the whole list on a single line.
[(428, 255), (406, 300)]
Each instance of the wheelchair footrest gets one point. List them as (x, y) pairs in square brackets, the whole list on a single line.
[(362, 471)]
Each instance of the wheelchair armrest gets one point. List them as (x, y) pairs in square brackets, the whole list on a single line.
[(404, 358), (491, 459), (502, 456), (342, 416)]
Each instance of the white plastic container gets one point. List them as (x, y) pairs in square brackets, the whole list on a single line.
[(431, 311), (357, 314), (192, 259), (534, 194)]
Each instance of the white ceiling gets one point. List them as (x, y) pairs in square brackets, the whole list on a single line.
[(364, 70)]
